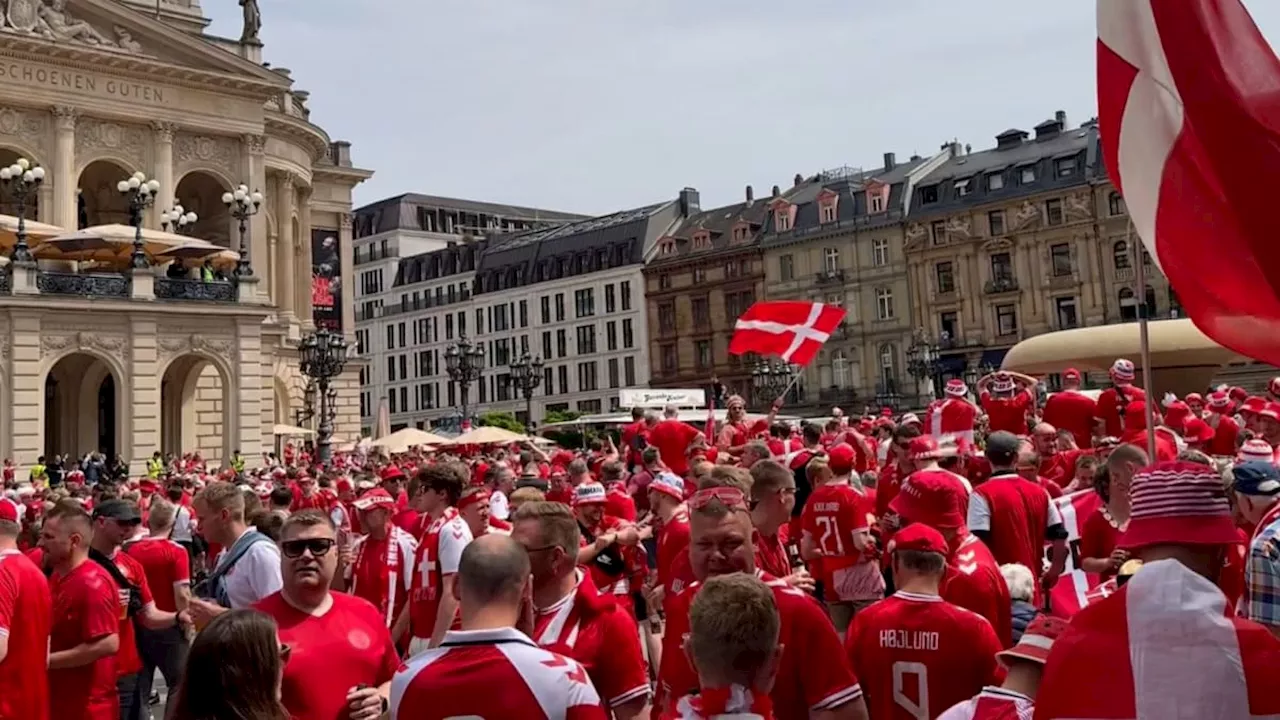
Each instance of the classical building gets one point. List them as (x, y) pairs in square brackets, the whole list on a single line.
[(415, 260), (703, 274), (837, 238), (1020, 239), (94, 91)]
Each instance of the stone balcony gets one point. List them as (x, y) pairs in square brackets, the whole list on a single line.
[(137, 285)]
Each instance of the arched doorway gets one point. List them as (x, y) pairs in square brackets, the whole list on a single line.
[(100, 202), (201, 192), (82, 411), (8, 156), (196, 409)]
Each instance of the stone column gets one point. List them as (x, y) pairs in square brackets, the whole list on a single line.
[(142, 392), (162, 136), (244, 421), (286, 296), (25, 393), (347, 255), (63, 171), (302, 261), (254, 174)]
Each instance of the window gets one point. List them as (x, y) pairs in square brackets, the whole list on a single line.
[(667, 317), (884, 304), (614, 379), (546, 344), (562, 342), (1006, 320), (391, 337), (1027, 174), (877, 203), (524, 313), (828, 212), (610, 301), (559, 307), (835, 300), (699, 275), (1128, 305), (964, 186), (629, 370), (702, 351), (1120, 255), (1150, 297), (1060, 259), (782, 219), (548, 375), (628, 338), (664, 282), (995, 222), (938, 232), (587, 377), (584, 302), (590, 407), (611, 335), (391, 368), (391, 401), (929, 195), (624, 289), (1064, 167), (945, 274), (1115, 204), (669, 359), (1001, 266), (701, 312), (786, 268), (586, 339), (879, 252), (1067, 317), (1175, 305), (948, 328), (995, 181), (888, 362), (831, 260), (839, 369), (562, 375), (1053, 211)]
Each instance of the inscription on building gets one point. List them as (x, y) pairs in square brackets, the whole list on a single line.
[(60, 79)]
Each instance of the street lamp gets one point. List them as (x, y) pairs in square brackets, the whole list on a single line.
[(181, 220), (922, 359), (140, 193), (322, 355), (770, 380), (21, 180), (464, 361), (526, 376), (243, 205)]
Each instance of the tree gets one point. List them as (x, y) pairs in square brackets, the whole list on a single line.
[(558, 416), (504, 420)]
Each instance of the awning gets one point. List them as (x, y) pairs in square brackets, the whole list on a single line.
[(993, 357)]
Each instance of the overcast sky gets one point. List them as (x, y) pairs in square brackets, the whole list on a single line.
[(598, 105)]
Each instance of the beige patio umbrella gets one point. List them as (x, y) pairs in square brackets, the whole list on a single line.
[(290, 431), (488, 436), (106, 243), (37, 232), (191, 250), (407, 438)]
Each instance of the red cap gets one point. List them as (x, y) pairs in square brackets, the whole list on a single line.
[(1036, 641), (933, 497), (1219, 401), (923, 447), (920, 537), (343, 485), (841, 458), (373, 499), (1178, 503), (1197, 431), (1253, 404), (391, 472), (8, 510), (1271, 410), (1194, 399), (1071, 375)]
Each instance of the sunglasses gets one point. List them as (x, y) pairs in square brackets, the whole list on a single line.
[(730, 497), (319, 547)]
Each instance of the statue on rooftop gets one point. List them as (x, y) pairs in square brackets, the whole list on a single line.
[(252, 22)]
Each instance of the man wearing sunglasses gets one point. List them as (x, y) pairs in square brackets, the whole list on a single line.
[(341, 657)]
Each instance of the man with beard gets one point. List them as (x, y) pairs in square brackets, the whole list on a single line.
[(737, 432), (610, 546)]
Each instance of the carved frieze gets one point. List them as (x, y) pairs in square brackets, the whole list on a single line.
[(915, 235), (64, 116), (49, 19), (170, 345), (1027, 216), (1077, 207), (257, 144), (128, 141), (218, 152), (54, 342), (960, 227), (163, 131), (25, 125), (997, 244)]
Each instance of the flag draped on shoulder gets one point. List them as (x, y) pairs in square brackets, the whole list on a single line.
[(791, 330), (1189, 116), (1074, 584)]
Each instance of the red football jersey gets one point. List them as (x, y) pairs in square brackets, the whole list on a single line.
[(439, 552), (813, 674), (992, 703), (25, 620), (493, 674), (672, 438), (833, 513), (1017, 514), (771, 552), (1074, 412), (1008, 413), (1111, 407), (673, 541), (348, 645), (86, 607), (166, 565), (917, 655), (973, 581), (128, 661)]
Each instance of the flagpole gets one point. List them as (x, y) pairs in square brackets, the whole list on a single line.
[(795, 377), (1144, 339)]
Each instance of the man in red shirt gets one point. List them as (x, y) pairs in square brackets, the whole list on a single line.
[(341, 658), (87, 615), (672, 438), (1113, 400), (915, 653), (168, 571), (1225, 428), (953, 415), (25, 625), (837, 538), (618, 502), (814, 678), (490, 667), (1008, 399), (433, 606), (1071, 410), (1053, 464), (381, 569), (1024, 664), (610, 547), (737, 431), (634, 437), (773, 495), (666, 497), (575, 619)]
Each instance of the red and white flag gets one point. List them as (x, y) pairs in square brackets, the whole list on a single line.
[(790, 329), (1074, 584), (1189, 114)]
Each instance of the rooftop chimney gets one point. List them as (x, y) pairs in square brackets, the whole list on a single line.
[(776, 192), (340, 152), (890, 161), (968, 148), (1061, 117), (799, 179), (751, 195), (1010, 138), (954, 148), (690, 202)]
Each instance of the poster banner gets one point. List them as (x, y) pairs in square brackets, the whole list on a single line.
[(326, 280)]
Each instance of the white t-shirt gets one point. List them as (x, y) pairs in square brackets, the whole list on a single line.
[(181, 525), (255, 575), (498, 506)]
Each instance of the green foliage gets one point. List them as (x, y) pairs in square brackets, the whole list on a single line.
[(504, 420), (558, 416)]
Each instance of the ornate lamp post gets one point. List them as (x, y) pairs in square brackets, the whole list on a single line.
[(922, 361), (140, 193), (243, 205), (178, 218), (526, 376), (770, 379), (322, 356), (464, 361), (972, 375), (20, 181)]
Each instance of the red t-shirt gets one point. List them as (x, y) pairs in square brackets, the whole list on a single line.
[(619, 504), (672, 439), (673, 542), (166, 565), (1110, 409), (408, 520), (917, 655), (771, 552), (1098, 537), (1074, 412), (813, 673), (833, 513), (1018, 514), (348, 645), (589, 626), (973, 581), (1008, 413), (86, 607), (1225, 433), (24, 618), (438, 555), (128, 661)]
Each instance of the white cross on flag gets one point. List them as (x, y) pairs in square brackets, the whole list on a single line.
[(792, 330)]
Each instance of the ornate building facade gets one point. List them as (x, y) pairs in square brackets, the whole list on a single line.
[(94, 91)]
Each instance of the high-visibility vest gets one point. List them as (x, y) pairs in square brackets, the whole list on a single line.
[(237, 463), (154, 468)]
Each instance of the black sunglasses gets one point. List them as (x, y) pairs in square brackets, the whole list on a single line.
[(319, 547)]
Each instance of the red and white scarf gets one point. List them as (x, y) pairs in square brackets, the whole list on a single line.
[(399, 544), (734, 702)]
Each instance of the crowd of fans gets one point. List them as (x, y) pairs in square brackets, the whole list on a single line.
[(1004, 558)]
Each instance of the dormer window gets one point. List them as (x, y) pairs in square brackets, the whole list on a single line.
[(783, 221), (667, 247), (877, 196), (741, 232), (964, 186), (929, 195), (828, 202), (784, 215), (702, 240), (995, 181), (877, 204), (1027, 174)]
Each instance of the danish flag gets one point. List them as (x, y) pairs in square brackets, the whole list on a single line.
[(791, 330)]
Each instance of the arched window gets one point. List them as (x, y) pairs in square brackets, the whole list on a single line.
[(888, 362), (1128, 305), (1120, 252), (839, 370)]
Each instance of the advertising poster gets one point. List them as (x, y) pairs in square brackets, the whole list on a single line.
[(326, 279)]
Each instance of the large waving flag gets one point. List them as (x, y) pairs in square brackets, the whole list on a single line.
[(790, 329), (1189, 106)]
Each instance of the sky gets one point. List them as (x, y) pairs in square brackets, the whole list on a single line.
[(594, 106)]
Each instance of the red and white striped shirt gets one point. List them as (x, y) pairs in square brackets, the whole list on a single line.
[(491, 674), (992, 703)]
